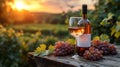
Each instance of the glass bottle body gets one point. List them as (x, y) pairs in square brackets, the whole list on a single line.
[(85, 39)]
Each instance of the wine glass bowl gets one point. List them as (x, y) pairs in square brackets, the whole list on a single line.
[(74, 29)]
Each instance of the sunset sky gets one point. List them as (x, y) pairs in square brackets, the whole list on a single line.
[(52, 6)]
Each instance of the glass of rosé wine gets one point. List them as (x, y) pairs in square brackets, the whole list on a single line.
[(76, 31)]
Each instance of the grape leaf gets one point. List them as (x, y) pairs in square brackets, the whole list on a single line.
[(113, 30), (35, 54), (104, 22), (96, 38), (44, 53), (104, 37), (43, 47), (117, 34), (118, 26), (110, 15), (71, 41), (51, 49)]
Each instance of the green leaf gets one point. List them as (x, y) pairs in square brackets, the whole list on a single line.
[(118, 23), (50, 51), (44, 53), (110, 15), (118, 26), (104, 22), (96, 38), (119, 18), (104, 37), (35, 54), (71, 41), (113, 30), (117, 34), (67, 21)]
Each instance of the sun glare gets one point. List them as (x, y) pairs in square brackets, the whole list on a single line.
[(19, 5), (25, 5)]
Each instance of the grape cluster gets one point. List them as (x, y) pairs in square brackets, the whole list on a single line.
[(63, 49), (105, 47), (93, 54), (112, 49)]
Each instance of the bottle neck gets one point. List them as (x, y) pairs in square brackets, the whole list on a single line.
[(84, 16)]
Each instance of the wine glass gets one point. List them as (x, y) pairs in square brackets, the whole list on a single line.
[(76, 31)]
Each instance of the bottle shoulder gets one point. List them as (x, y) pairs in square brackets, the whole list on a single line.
[(83, 21)]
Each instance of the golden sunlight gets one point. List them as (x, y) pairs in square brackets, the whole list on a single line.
[(25, 5), (52, 6), (20, 5)]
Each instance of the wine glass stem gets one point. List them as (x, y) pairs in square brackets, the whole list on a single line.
[(77, 41), (77, 44)]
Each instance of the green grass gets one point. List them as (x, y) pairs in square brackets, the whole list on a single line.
[(57, 30), (39, 27)]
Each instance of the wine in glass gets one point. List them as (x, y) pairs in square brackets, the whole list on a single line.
[(76, 30)]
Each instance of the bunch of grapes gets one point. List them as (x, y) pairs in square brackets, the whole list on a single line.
[(112, 49), (63, 49), (93, 54), (105, 47)]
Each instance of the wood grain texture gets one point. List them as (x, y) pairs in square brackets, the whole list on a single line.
[(67, 61)]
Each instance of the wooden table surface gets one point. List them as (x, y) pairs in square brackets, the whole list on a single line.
[(67, 61)]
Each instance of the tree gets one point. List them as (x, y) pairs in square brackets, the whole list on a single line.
[(107, 19), (4, 9)]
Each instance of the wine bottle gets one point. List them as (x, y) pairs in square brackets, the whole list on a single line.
[(85, 39)]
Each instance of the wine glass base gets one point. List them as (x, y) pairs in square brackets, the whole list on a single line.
[(75, 56)]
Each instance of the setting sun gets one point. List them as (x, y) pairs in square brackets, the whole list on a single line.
[(20, 5), (26, 5)]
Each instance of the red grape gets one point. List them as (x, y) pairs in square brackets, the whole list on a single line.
[(63, 48), (105, 47), (93, 54)]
